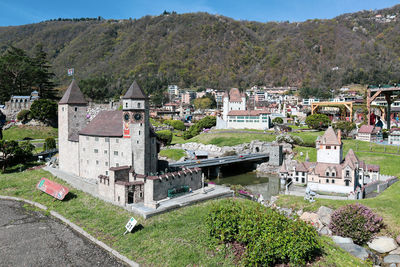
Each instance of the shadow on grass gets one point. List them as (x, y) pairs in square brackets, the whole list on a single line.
[(137, 228), (22, 167), (69, 196)]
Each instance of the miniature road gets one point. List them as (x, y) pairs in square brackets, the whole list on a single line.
[(29, 238)]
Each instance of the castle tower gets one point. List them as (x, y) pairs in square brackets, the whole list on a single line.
[(137, 128), (72, 110), (329, 147)]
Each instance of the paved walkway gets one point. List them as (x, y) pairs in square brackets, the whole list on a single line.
[(84, 184), (301, 192), (29, 238), (211, 192)]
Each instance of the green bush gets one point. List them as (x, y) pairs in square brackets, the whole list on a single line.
[(178, 125), (195, 129), (357, 222), (270, 238), (277, 120), (49, 143), (318, 121), (24, 115), (44, 110), (164, 136), (187, 135)]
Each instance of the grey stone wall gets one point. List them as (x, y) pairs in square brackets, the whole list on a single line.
[(161, 186), (275, 154)]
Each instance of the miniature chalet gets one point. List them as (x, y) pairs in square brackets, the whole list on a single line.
[(332, 172)]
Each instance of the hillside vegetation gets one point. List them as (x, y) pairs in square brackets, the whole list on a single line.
[(199, 49)]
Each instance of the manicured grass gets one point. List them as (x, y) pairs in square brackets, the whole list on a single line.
[(34, 132), (174, 154), (176, 238), (231, 139)]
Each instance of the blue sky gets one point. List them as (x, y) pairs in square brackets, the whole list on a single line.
[(17, 12)]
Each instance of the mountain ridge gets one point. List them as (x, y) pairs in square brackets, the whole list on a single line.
[(199, 49)]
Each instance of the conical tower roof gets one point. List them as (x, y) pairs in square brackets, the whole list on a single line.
[(134, 92), (73, 95)]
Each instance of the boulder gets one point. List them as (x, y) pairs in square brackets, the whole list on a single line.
[(391, 259), (355, 250), (395, 252), (382, 244), (342, 240), (299, 212), (324, 214), (325, 231), (312, 218)]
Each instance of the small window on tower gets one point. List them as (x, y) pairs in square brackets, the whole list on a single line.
[(139, 132), (126, 105), (138, 105), (62, 108), (76, 109), (137, 142)]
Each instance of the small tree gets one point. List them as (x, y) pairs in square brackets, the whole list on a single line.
[(345, 126), (318, 121), (277, 120), (44, 110), (49, 143), (164, 136), (24, 115), (13, 153), (178, 125)]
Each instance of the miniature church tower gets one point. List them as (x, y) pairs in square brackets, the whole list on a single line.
[(329, 147), (72, 110), (136, 126)]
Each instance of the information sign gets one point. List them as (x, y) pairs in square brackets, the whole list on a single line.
[(52, 188), (129, 226)]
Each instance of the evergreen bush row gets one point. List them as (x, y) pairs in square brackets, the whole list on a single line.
[(269, 237)]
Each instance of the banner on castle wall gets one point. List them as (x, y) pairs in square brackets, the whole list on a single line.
[(126, 130)]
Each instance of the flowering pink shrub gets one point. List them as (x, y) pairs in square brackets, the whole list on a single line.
[(355, 221)]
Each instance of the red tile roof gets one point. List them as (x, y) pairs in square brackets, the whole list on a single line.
[(106, 123), (247, 112), (235, 95), (370, 129)]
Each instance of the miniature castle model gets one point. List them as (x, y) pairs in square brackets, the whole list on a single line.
[(236, 116), (18, 103), (331, 172), (118, 148)]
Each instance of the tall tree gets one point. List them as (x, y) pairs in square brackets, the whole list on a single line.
[(42, 74)]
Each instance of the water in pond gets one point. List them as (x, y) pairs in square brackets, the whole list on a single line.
[(266, 185)]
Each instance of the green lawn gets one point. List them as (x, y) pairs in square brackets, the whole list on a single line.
[(34, 132), (176, 238), (174, 154)]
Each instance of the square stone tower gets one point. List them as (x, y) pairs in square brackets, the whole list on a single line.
[(329, 147), (72, 111), (136, 126)]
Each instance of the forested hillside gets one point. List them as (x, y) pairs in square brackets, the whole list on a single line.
[(199, 49)]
